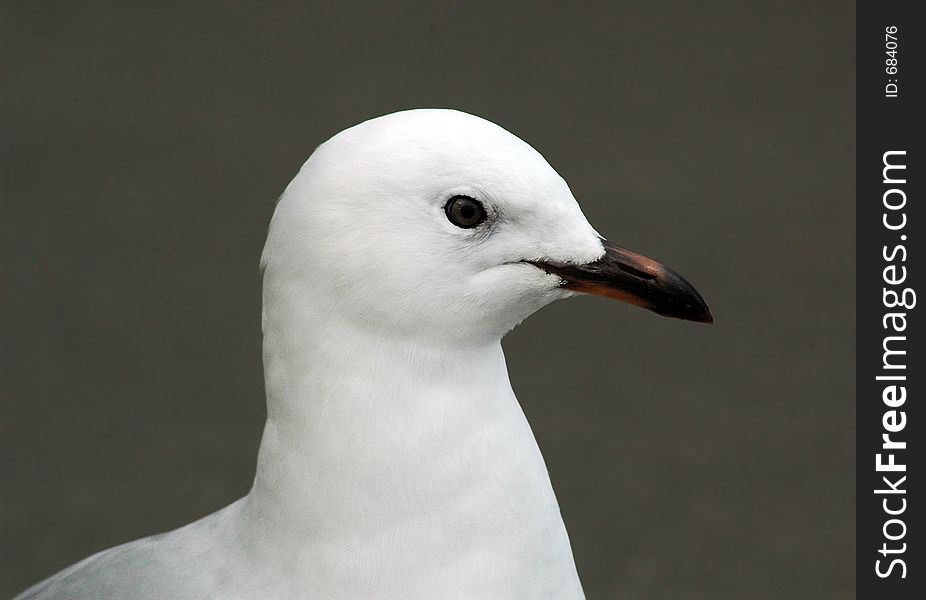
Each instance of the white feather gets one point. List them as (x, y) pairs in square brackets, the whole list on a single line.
[(396, 462)]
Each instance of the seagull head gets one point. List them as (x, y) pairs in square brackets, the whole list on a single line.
[(439, 225)]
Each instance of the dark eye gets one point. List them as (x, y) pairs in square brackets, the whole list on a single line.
[(465, 212)]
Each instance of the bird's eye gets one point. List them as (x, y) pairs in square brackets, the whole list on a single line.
[(465, 212)]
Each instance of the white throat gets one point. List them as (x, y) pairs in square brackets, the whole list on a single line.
[(415, 462)]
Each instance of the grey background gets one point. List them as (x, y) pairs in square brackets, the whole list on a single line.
[(144, 145)]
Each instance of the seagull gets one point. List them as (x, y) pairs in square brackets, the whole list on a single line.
[(396, 462)]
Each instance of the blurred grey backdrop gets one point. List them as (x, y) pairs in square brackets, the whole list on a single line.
[(144, 146)]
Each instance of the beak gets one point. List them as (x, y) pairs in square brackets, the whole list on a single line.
[(631, 277)]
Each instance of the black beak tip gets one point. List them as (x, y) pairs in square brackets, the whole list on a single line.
[(698, 313), (684, 302), (705, 316)]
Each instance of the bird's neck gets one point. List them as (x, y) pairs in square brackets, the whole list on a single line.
[(377, 447), (349, 414)]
